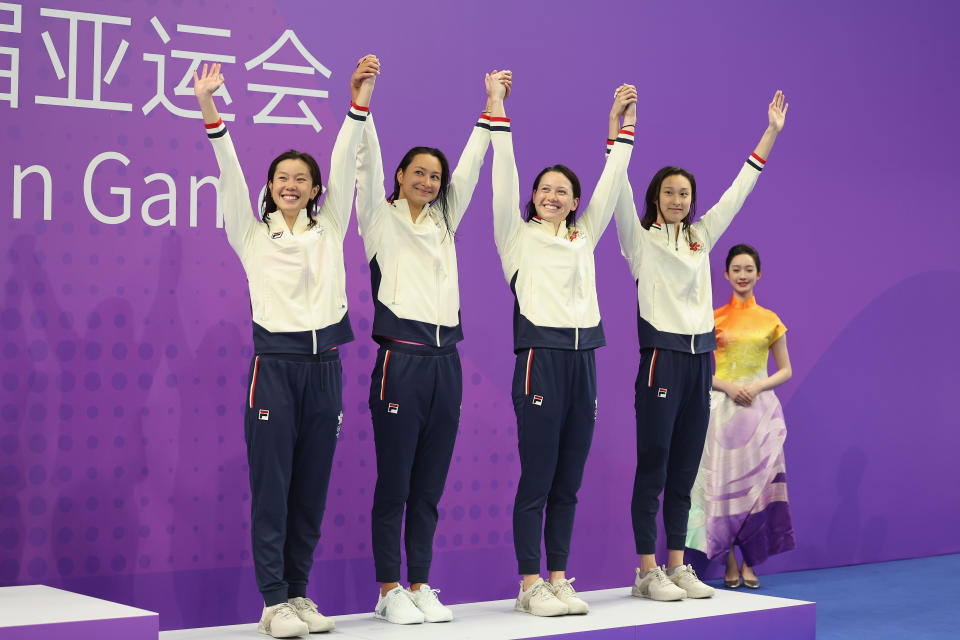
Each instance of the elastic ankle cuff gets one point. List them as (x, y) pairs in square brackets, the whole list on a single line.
[(296, 591), (275, 597), (556, 563), (529, 567), (418, 574)]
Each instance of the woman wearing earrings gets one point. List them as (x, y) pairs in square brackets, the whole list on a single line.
[(293, 259), (740, 495), (547, 257), (668, 255), (417, 384)]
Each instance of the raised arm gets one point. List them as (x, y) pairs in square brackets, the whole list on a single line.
[(463, 182), (369, 166), (507, 219), (238, 219), (338, 200), (715, 221), (599, 210)]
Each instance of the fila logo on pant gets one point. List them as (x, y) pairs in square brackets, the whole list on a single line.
[(538, 400), (264, 414), (662, 392), (393, 407)]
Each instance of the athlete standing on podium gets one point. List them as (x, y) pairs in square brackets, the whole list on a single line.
[(293, 259)]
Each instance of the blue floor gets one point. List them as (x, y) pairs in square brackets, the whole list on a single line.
[(904, 599)]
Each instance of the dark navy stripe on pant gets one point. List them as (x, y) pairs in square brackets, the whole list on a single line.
[(415, 395), (555, 399), (673, 410), (291, 425)]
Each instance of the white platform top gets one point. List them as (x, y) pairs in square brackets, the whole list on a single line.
[(496, 620), (36, 604)]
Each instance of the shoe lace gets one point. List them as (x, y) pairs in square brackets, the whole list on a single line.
[(301, 604), (687, 569), (661, 576), (541, 592), (285, 611), (564, 588)]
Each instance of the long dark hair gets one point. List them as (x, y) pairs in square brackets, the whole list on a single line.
[(740, 250), (440, 202), (531, 209), (268, 206), (651, 200)]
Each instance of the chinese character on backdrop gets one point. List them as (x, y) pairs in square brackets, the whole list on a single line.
[(184, 87), (73, 72), (266, 115)]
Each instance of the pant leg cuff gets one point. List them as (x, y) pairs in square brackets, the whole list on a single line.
[(418, 574), (275, 596), (296, 591), (529, 567), (646, 547), (677, 542), (388, 574), (556, 563)]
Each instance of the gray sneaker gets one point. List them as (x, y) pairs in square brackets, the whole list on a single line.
[(655, 584), (307, 611), (540, 600), (686, 578), (567, 595), (281, 621)]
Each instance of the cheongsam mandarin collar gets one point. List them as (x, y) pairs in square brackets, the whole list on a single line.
[(737, 303)]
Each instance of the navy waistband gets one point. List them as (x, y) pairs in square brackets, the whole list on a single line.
[(312, 342), (416, 349), (330, 355)]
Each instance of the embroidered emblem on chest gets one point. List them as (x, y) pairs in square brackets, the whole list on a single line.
[(695, 246), (275, 235), (573, 235)]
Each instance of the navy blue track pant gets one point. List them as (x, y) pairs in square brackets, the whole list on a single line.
[(415, 396), (555, 399), (292, 423), (673, 410)]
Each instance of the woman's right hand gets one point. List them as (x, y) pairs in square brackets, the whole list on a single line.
[(208, 81), (498, 84), (624, 98), (363, 79)]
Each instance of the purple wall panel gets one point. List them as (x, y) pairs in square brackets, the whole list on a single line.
[(124, 347)]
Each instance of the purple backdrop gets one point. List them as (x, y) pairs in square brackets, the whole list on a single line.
[(125, 342)]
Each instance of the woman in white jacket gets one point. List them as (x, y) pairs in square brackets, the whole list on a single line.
[(293, 259), (416, 385), (668, 255), (547, 258)]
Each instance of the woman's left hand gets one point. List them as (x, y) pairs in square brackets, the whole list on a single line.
[(777, 111), (746, 394)]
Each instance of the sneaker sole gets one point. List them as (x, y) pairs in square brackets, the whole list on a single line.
[(636, 593), (386, 619)]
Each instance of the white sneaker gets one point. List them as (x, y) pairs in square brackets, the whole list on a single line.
[(398, 607), (540, 600), (427, 601), (307, 611), (686, 578), (567, 595), (655, 584), (281, 621)]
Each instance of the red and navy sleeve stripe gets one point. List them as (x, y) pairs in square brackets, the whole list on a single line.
[(494, 123), (215, 129), (756, 162), (624, 135), (357, 112)]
